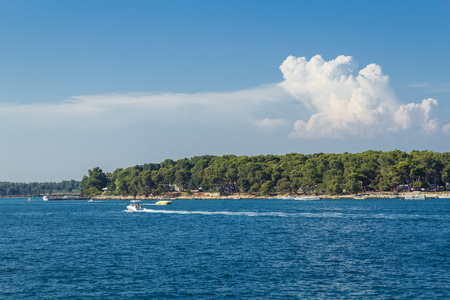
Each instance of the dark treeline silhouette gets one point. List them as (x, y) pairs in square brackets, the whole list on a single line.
[(36, 189), (283, 174)]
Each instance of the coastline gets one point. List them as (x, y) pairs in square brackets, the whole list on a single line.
[(217, 196)]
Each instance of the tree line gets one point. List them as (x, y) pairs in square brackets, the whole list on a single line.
[(283, 174), (36, 189)]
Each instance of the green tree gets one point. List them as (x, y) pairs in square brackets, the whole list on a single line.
[(284, 186), (93, 184), (266, 188)]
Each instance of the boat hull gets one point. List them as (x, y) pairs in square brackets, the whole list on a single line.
[(163, 202), (134, 208)]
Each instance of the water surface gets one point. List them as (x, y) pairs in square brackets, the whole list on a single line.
[(216, 249)]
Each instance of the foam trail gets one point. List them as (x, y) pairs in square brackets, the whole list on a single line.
[(334, 215), (246, 213), (227, 213)]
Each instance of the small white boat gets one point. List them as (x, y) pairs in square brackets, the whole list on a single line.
[(444, 197), (307, 198), (163, 202), (415, 197), (287, 198), (135, 206)]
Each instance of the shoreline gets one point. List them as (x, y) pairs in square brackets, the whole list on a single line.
[(216, 196)]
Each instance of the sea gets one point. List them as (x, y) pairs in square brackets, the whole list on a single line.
[(225, 249)]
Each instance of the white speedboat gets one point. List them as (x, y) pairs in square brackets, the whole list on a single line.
[(135, 206), (307, 198), (163, 202)]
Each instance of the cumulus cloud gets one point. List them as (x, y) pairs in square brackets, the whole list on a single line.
[(408, 115), (344, 101)]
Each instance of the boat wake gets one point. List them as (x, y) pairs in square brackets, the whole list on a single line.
[(226, 213), (244, 213), (330, 215)]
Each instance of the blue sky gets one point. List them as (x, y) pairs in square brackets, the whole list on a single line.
[(119, 83)]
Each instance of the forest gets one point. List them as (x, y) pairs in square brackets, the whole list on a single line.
[(278, 174), (36, 189)]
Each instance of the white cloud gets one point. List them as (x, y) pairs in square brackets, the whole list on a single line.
[(134, 105), (270, 124), (417, 115), (344, 102)]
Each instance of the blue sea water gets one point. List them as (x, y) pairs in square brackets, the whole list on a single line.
[(225, 249)]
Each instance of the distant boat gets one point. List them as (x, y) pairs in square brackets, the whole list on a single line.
[(444, 197), (308, 198), (57, 198), (360, 197), (163, 202), (415, 197), (29, 199)]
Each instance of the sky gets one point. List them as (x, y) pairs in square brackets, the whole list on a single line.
[(115, 84)]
